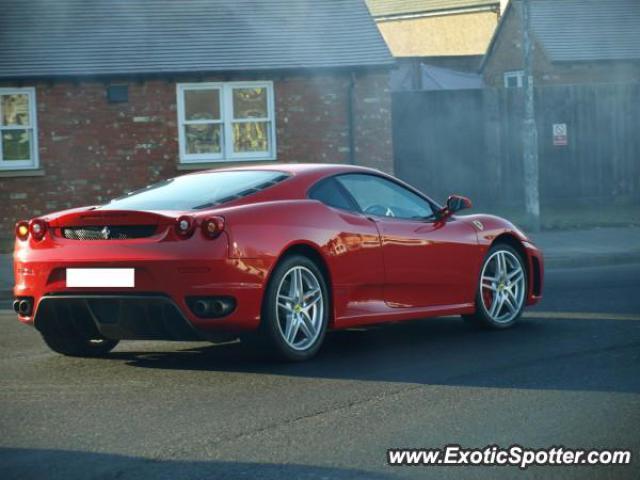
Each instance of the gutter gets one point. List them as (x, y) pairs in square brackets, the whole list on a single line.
[(438, 13), (194, 75)]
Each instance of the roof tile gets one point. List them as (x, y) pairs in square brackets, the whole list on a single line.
[(78, 37), (587, 30)]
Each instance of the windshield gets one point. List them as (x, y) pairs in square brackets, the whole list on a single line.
[(192, 192)]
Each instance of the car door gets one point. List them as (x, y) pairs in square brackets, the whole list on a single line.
[(426, 262), (355, 252)]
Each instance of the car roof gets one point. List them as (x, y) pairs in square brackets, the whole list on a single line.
[(304, 175), (298, 168)]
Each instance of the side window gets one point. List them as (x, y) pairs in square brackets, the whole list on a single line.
[(384, 198), (330, 193)]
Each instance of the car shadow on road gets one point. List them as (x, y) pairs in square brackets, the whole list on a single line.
[(68, 465), (593, 355)]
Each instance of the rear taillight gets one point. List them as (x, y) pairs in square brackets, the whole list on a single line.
[(184, 226), (37, 229), (22, 230), (212, 227)]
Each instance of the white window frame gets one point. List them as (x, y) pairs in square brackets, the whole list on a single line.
[(199, 157), (34, 162), (226, 120), (517, 74)]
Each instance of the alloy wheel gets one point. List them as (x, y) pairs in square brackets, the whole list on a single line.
[(299, 308), (502, 286)]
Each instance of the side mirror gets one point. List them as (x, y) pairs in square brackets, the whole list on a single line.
[(455, 203)]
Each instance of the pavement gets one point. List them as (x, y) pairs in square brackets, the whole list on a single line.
[(587, 247), (566, 375)]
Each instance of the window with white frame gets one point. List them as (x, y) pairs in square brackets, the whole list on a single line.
[(18, 131), (514, 79), (228, 121)]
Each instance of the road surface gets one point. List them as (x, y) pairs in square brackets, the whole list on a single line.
[(568, 375)]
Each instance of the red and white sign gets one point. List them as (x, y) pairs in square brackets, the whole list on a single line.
[(560, 134)]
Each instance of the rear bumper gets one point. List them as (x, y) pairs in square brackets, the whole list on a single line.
[(117, 317), (165, 272)]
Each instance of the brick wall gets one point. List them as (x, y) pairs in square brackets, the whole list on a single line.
[(507, 56), (91, 151)]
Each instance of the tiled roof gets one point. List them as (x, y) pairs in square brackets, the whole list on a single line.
[(43, 38), (391, 8), (587, 30)]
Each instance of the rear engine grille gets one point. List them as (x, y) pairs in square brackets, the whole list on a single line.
[(108, 232)]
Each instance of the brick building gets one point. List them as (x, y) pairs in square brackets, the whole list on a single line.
[(98, 98), (575, 41)]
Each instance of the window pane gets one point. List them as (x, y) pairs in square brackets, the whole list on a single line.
[(383, 198), (330, 193), (202, 138), (15, 109), (202, 190), (202, 104), (16, 145), (250, 103), (512, 82), (251, 137)]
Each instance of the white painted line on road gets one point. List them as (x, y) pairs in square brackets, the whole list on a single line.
[(581, 316)]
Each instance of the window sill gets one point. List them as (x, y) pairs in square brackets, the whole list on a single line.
[(22, 173), (220, 164)]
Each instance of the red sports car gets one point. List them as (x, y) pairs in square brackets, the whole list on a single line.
[(276, 254)]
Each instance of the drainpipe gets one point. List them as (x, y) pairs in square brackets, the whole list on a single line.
[(351, 118)]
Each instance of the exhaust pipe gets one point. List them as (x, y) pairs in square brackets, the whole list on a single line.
[(24, 307), (217, 308), (201, 307), (211, 307)]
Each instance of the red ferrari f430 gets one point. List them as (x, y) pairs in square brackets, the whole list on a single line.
[(276, 254)]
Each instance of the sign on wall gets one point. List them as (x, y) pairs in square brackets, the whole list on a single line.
[(560, 134)]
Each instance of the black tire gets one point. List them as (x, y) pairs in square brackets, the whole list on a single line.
[(481, 317), (269, 336), (79, 346)]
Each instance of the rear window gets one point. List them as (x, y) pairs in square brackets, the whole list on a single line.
[(193, 192)]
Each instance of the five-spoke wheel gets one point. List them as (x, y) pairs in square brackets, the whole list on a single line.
[(503, 288), (295, 311), (300, 307)]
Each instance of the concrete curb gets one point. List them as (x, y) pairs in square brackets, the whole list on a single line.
[(593, 260)]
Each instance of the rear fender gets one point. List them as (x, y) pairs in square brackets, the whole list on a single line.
[(261, 234)]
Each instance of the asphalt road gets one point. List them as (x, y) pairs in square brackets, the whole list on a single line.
[(177, 410)]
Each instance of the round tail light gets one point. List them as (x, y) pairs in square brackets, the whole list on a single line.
[(22, 230), (212, 227), (184, 226), (37, 229)]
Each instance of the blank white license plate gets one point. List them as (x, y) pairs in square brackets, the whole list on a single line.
[(101, 277)]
